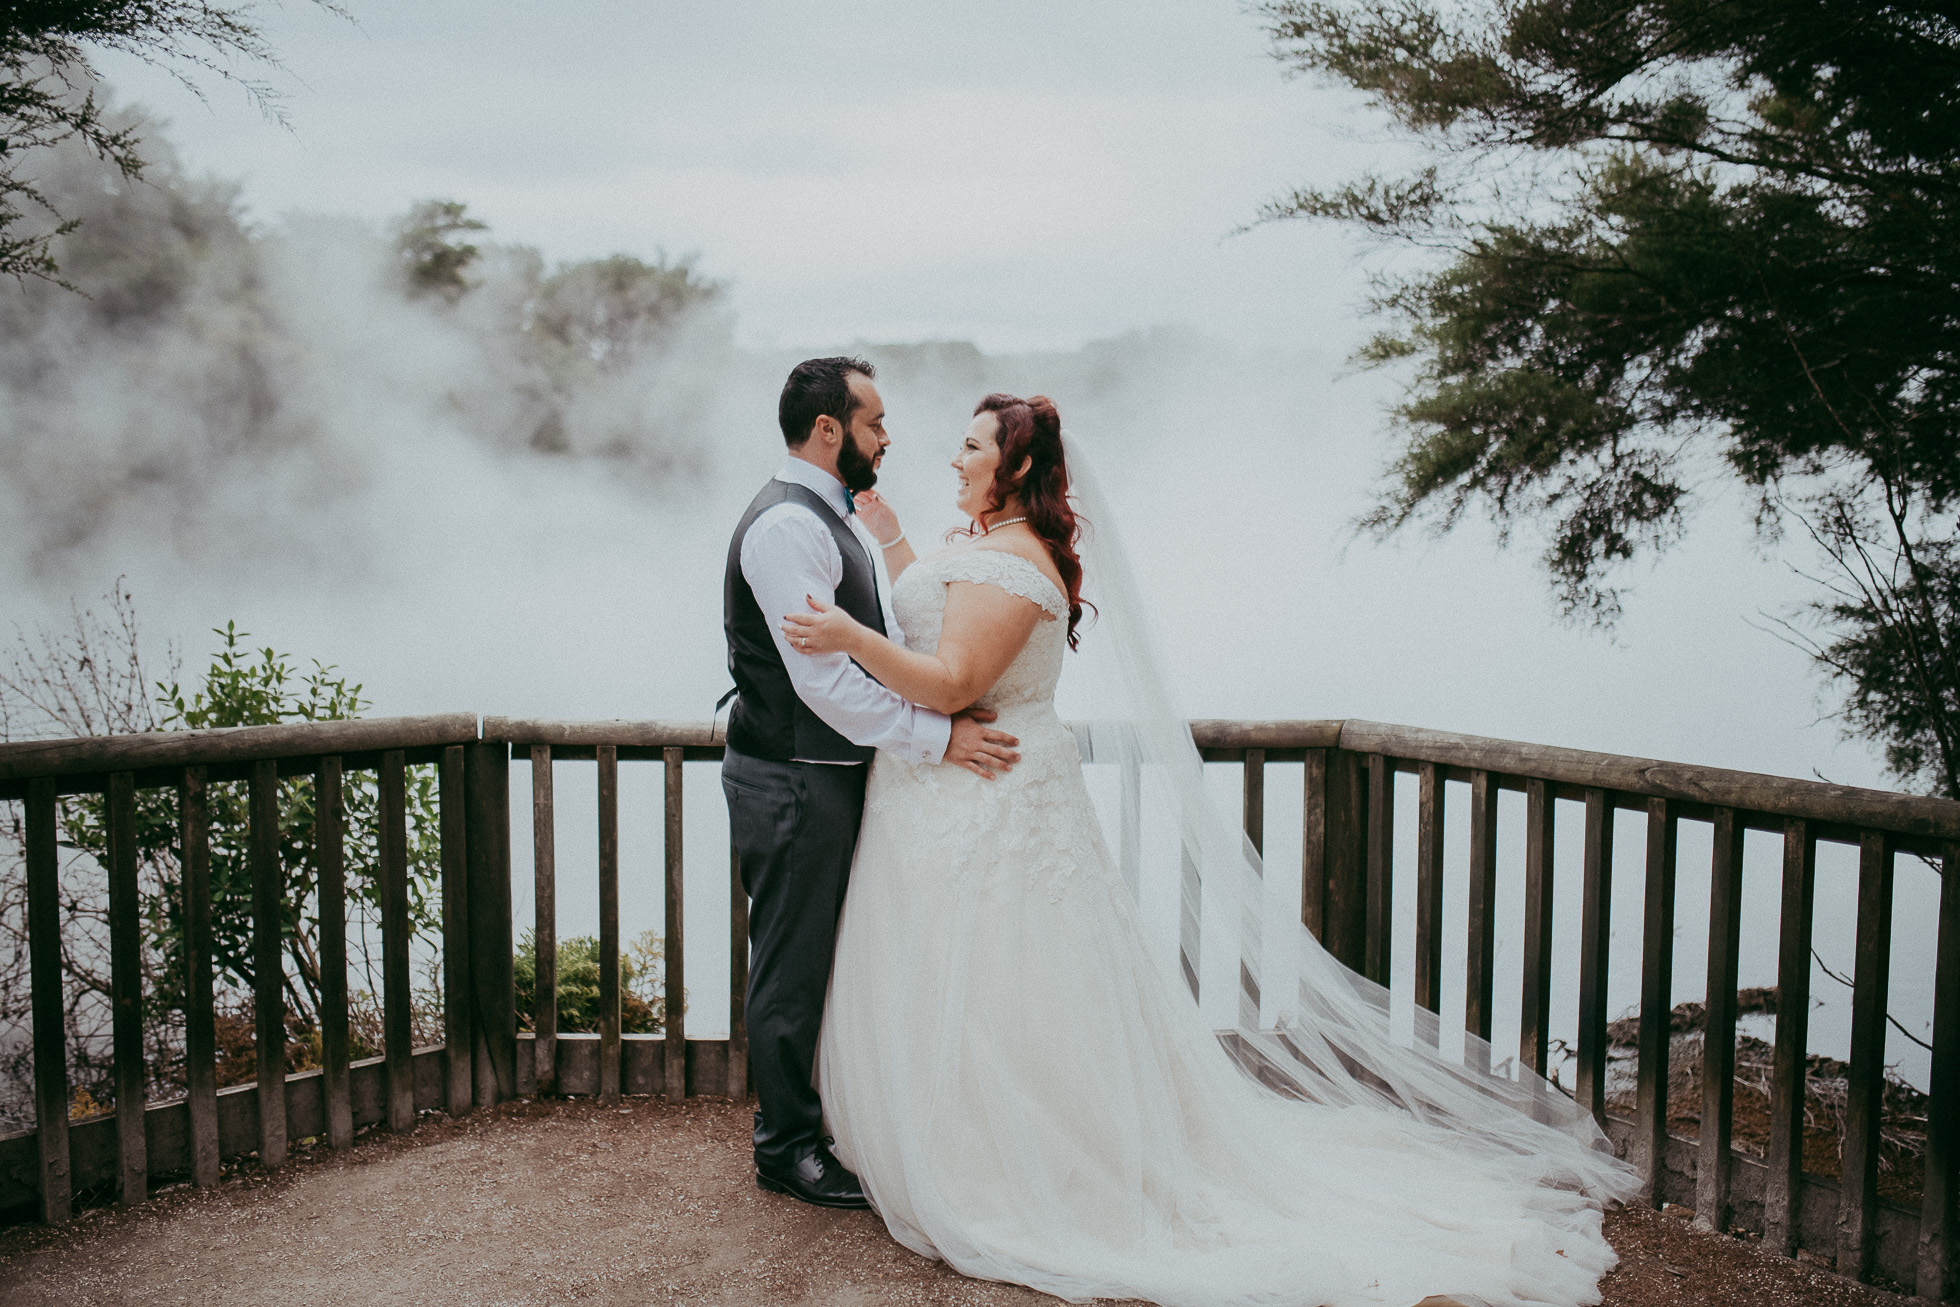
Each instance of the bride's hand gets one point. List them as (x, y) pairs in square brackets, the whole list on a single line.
[(826, 629), (877, 516)]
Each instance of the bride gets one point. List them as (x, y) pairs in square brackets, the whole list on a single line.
[(1027, 1089)]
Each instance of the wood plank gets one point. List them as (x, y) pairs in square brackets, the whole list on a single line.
[(126, 992), (1718, 1038), (1779, 796), (493, 985), (459, 1089), (676, 952), (50, 1032), (1595, 949), (230, 744), (200, 1017), (544, 937), (1938, 1269), (1857, 1216), (1429, 888), (268, 959), (1381, 870), (397, 1040), (1535, 1015), (1480, 959), (330, 871), (1313, 847), (1656, 985), (1783, 1154), (738, 980), (1254, 815), (609, 1081)]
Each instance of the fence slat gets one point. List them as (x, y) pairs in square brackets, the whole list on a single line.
[(1255, 799), (50, 1038), (1939, 1212), (200, 1019), (493, 986), (544, 937), (1381, 869), (1535, 1013), (1480, 959), (1429, 888), (1656, 977), (1857, 1215), (1718, 1037), (1595, 947), (1313, 846), (676, 953), (609, 1084), (738, 980), (459, 1093), (397, 1040), (330, 868), (268, 960), (126, 991), (1782, 1186)]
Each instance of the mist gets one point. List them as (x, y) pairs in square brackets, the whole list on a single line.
[(254, 422)]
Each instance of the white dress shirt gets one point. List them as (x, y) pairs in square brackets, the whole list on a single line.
[(787, 554)]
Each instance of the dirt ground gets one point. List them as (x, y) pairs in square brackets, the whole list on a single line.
[(640, 1204)]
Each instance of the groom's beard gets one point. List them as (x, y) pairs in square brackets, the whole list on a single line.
[(855, 470)]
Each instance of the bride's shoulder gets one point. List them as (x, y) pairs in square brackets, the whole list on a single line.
[(1007, 565)]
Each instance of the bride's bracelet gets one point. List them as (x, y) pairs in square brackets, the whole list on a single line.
[(887, 544)]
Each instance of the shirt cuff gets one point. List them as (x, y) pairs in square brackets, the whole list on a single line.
[(934, 734)]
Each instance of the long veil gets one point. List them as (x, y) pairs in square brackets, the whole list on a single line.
[(1295, 1019)]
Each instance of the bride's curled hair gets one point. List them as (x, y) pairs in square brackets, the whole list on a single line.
[(1031, 432)]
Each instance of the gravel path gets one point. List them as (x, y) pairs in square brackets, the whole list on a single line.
[(642, 1204)]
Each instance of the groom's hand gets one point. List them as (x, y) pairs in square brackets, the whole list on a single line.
[(977, 748)]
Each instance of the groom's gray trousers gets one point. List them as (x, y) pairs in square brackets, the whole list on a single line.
[(794, 826)]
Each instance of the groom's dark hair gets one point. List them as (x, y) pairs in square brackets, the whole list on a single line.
[(816, 388)]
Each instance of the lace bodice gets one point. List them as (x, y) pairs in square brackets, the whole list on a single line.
[(919, 600)]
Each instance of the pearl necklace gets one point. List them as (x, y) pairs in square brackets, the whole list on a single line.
[(988, 530)]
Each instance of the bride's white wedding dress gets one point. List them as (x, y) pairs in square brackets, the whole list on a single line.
[(1027, 1093)]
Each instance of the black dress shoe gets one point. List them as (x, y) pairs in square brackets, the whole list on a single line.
[(817, 1178)]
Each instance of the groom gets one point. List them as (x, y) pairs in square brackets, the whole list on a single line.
[(800, 738)]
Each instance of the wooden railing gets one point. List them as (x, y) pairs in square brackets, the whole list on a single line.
[(1348, 834)]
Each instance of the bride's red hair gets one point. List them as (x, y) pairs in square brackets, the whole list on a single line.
[(1031, 432)]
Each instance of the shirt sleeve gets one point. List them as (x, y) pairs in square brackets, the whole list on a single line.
[(788, 554)]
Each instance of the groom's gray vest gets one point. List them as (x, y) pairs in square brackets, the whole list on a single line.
[(769, 720)]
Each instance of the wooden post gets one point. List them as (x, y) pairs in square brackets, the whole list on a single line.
[(397, 1042), (1255, 799), (50, 1035), (330, 869), (1656, 985), (1718, 1037), (493, 984), (459, 1089), (1429, 888), (1783, 1185), (1313, 847), (544, 938), (200, 1021), (1480, 959), (1344, 858), (126, 991), (676, 953), (609, 1079), (1595, 943), (268, 960), (1939, 1229), (738, 979), (1381, 869), (1857, 1216), (1535, 1014)]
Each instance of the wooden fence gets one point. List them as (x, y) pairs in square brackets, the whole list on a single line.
[(1347, 839)]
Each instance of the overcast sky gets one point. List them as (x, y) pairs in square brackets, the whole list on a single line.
[(1019, 174)]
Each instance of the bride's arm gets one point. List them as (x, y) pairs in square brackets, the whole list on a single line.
[(882, 523), (985, 627)]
